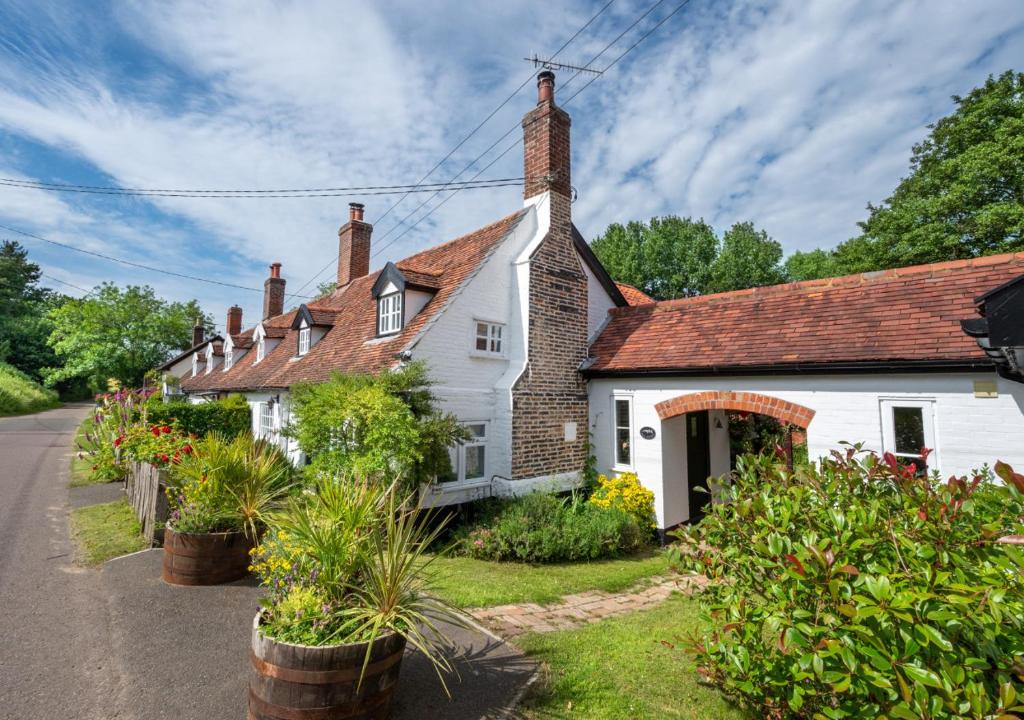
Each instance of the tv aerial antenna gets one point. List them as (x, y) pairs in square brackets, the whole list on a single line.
[(539, 62)]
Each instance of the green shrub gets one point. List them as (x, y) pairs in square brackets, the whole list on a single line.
[(20, 394), (229, 417), (540, 528), (858, 590)]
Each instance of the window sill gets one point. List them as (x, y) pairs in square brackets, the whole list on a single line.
[(440, 487), (487, 356)]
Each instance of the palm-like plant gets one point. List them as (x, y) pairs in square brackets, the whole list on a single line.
[(240, 480)]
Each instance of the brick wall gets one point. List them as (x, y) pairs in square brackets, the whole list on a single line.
[(273, 297), (353, 251), (551, 391)]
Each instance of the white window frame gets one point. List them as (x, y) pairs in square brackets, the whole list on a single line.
[(261, 350), (458, 453), (494, 333), (616, 463), (195, 364), (266, 424), (229, 358), (887, 407), (305, 336), (389, 313)]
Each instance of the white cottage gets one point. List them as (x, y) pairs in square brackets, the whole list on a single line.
[(534, 348)]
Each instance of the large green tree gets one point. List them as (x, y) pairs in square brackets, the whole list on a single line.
[(964, 196), (671, 257), (748, 258), (119, 334), (24, 306)]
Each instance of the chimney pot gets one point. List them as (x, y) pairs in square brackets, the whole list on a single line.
[(355, 211), (275, 270), (545, 86)]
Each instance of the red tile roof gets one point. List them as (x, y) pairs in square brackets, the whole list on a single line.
[(351, 344), (904, 315), (633, 295)]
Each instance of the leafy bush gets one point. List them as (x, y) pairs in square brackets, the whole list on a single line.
[(540, 528), (626, 493), (229, 417), (227, 484), (859, 590), (20, 394), (383, 426), (347, 564)]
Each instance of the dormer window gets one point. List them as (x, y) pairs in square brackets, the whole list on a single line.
[(261, 349), (304, 337), (195, 364), (229, 358), (389, 314)]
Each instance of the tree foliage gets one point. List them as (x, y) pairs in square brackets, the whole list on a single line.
[(118, 334), (385, 426), (672, 257), (963, 198), (24, 306)]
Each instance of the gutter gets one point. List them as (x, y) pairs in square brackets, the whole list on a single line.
[(893, 366)]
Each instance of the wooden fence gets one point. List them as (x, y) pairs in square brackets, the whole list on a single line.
[(146, 486)]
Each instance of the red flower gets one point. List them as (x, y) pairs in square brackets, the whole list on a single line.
[(165, 458), (166, 429), (155, 430), (117, 443), (187, 449)]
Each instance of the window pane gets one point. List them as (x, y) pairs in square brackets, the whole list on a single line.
[(481, 330), (622, 413), (477, 430), (474, 462), (908, 428), (481, 344), (622, 454)]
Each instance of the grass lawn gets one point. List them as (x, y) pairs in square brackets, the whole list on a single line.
[(105, 531), (80, 466), (466, 582), (633, 666)]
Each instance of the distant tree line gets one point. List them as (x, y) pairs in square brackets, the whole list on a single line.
[(963, 198)]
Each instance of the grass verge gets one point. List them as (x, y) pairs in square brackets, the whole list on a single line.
[(467, 582), (20, 394), (105, 531), (633, 666)]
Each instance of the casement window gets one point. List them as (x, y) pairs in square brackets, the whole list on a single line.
[(261, 349), (488, 338), (622, 416), (229, 359), (304, 334), (907, 427), (195, 364), (389, 314), (469, 458), (266, 420)]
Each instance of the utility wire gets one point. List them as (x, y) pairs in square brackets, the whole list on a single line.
[(463, 142), (131, 263), (71, 285), (515, 127), (258, 194)]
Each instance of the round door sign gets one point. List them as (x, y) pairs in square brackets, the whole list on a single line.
[(647, 433)]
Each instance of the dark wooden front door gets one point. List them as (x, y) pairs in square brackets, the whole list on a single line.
[(698, 462)]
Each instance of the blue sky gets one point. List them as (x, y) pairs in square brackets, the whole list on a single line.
[(789, 113)]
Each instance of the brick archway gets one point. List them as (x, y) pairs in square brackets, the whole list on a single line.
[(787, 412)]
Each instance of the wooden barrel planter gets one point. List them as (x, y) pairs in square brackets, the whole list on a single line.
[(303, 682), (205, 558)]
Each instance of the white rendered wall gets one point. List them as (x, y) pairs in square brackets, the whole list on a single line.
[(969, 431)]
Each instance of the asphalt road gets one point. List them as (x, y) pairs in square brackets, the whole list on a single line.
[(119, 643)]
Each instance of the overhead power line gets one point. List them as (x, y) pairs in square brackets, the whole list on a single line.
[(463, 141), (70, 285), (258, 194), (131, 263), (516, 127)]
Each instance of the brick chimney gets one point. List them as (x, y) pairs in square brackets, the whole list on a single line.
[(353, 246), (273, 292), (198, 332), (546, 161), (234, 325)]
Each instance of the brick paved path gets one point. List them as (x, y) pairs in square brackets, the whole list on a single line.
[(580, 609)]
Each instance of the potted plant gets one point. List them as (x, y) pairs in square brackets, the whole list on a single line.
[(345, 569), (219, 495)]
